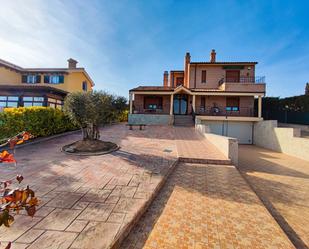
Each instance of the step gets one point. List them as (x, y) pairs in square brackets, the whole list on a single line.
[(205, 161)]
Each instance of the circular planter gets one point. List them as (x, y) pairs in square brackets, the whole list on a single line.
[(90, 148)]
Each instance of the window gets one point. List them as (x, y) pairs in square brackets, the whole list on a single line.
[(203, 102), (33, 101), (179, 81), (9, 101), (54, 79), (203, 76), (232, 104), (84, 86), (152, 102), (31, 78), (54, 103)]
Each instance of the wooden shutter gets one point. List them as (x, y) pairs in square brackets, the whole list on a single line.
[(24, 78), (38, 78), (61, 79), (203, 76), (233, 76), (46, 78)]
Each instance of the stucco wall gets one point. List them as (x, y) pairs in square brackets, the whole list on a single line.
[(151, 119), (72, 81), (227, 145), (213, 75), (286, 140)]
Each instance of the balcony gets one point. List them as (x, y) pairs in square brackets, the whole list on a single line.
[(226, 112), (243, 84)]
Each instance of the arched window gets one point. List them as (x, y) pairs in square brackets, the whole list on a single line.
[(84, 86)]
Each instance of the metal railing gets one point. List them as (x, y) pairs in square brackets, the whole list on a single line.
[(243, 79), (225, 111)]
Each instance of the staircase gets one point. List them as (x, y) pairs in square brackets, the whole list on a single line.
[(183, 120)]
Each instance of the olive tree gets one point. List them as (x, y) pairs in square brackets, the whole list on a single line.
[(89, 110)]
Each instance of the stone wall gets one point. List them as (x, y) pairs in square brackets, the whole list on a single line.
[(151, 119), (285, 140)]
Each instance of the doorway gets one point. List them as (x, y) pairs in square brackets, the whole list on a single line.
[(180, 104)]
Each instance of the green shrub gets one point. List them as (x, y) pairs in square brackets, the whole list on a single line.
[(123, 116), (39, 121)]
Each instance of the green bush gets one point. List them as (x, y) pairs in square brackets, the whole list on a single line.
[(39, 121)]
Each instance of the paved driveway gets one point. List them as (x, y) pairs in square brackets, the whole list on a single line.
[(206, 206), (86, 202), (282, 182)]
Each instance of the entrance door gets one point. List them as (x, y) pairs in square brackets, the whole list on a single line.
[(233, 76), (180, 104)]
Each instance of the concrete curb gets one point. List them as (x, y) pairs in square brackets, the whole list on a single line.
[(44, 139)]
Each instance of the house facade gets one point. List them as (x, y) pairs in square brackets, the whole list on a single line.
[(211, 91), (23, 87)]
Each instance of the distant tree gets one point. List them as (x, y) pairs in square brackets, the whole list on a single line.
[(89, 110), (307, 89)]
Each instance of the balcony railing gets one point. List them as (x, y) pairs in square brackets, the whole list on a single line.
[(227, 111), (243, 79)]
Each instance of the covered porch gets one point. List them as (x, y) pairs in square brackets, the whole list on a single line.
[(183, 101)]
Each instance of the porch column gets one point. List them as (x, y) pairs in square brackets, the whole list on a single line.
[(193, 103), (131, 102), (259, 106), (171, 104)]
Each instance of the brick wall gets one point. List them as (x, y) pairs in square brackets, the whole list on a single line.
[(138, 103)]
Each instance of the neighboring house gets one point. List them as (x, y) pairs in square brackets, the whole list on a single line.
[(214, 92), (40, 86)]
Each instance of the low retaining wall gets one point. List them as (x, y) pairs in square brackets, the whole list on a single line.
[(286, 140), (151, 119), (227, 145)]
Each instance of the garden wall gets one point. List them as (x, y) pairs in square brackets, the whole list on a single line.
[(286, 140)]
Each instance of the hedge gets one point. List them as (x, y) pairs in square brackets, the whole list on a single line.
[(39, 121)]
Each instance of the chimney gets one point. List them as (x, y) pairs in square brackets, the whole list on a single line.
[(72, 63), (186, 69), (165, 78), (213, 56)]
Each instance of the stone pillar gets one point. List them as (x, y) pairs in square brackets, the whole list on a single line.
[(171, 104), (131, 102), (259, 106), (193, 103)]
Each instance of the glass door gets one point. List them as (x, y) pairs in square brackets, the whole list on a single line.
[(180, 104)]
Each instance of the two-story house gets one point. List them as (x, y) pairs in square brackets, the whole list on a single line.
[(23, 87), (218, 93)]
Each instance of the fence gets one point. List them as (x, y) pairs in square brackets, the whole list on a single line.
[(287, 117)]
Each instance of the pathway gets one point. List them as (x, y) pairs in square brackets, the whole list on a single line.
[(88, 202), (191, 144), (282, 182), (206, 206)]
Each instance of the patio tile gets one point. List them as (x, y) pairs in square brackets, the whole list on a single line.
[(96, 234), (59, 219), (54, 239), (21, 225), (64, 200), (30, 236), (77, 226), (96, 212)]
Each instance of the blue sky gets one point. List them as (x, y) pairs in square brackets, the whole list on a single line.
[(123, 44)]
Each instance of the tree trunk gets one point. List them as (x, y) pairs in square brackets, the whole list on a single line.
[(91, 132)]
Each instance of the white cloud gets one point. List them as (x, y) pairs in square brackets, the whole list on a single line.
[(37, 33)]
